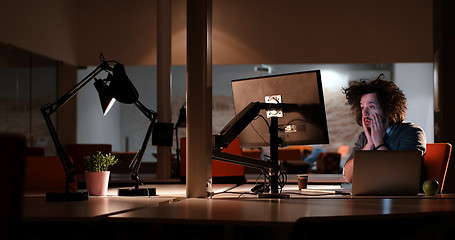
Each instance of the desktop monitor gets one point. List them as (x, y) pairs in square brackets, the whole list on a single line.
[(302, 120)]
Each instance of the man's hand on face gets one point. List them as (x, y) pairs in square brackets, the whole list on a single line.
[(373, 127), (366, 129), (377, 130)]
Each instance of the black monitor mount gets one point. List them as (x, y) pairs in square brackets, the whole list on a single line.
[(235, 127)]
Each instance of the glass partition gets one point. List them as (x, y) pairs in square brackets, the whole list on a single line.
[(27, 81)]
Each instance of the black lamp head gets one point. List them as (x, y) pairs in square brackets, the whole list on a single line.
[(106, 97), (181, 121), (121, 87)]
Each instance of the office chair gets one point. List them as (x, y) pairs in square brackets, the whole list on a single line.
[(436, 161)]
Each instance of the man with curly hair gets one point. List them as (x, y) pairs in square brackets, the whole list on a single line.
[(380, 108)]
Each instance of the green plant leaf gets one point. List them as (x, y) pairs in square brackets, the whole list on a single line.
[(99, 162)]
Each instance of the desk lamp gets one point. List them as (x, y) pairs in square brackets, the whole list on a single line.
[(120, 89), (181, 123)]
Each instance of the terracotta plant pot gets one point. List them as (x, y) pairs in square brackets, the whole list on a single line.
[(97, 182)]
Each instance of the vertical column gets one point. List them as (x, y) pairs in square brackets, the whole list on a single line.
[(444, 50), (164, 81), (199, 98)]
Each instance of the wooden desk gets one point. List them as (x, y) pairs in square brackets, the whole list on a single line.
[(89, 219), (170, 215), (286, 211), (76, 219), (95, 209), (340, 218), (36, 208)]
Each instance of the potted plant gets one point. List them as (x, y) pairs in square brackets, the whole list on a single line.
[(97, 174)]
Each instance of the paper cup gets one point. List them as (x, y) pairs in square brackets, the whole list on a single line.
[(302, 181)]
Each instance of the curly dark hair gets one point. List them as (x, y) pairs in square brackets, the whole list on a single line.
[(390, 97)]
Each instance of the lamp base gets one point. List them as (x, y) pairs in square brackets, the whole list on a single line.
[(273, 195), (59, 196), (137, 192)]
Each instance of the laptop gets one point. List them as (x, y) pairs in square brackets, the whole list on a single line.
[(386, 173)]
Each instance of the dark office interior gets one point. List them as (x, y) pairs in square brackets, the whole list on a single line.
[(47, 47)]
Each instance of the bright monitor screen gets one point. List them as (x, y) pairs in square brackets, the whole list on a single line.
[(303, 122)]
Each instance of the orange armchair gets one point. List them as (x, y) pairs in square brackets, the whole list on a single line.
[(436, 161), (222, 172), (45, 174)]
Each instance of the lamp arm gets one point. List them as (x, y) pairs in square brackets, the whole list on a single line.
[(150, 114), (68, 166), (245, 161), (73, 91), (136, 163), (48, 109)]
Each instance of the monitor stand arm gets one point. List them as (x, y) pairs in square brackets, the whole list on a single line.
[(245, 161), (234, 128)]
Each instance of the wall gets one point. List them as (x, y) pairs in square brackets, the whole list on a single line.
[(93, 127), (244, 32), (304, 31), (278, 32), (416, 81), (45, 27), (123, 30)]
